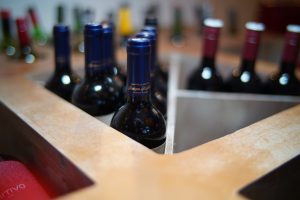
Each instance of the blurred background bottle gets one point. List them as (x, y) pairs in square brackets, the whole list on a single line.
[(60, 14), (63, 80), (177, 37), (125, 25), (244, 79), (160, 76), (157, 97), (38, 34), (109, 54), (8, 46), (25, 49), (206, 76), (77, 36), (150, 23), (285, 81)]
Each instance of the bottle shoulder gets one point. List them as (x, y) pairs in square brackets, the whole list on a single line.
[(205, 79), (98, 97), (130, 112), (143, 123), (63, 80)]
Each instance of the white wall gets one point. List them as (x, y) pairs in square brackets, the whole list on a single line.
[(46, 9)]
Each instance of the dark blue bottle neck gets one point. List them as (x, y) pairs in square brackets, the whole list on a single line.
[(109, 51), (62, 53), (96, 65), (153, 59), (138, 77)]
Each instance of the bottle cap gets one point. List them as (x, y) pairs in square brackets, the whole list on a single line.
[(92, 29), (293, 28), (214, 23), (144, 34), (149, 29), (138, 43), (60, 28), (107, 29), (255, 26)]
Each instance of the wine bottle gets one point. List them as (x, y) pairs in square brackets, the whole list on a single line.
[(245, 79), (63, 81), (139, 118), (17, 182), (25, 50), (177, 37), (206, 76), (77, 36), (98, 94), (151, 24), (109, 52), (125, 23), (60, 14), (7, 44), (151, 21), (38, 34), (157, 97), (285, 81), (161, 77)]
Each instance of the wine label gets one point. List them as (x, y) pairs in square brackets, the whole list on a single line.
[(11, 192), (106, 118), (143, 88), (17, 183), (94, 64), (61, 60), (160, 149)]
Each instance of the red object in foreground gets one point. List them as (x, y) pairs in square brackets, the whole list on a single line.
[(17, 182)]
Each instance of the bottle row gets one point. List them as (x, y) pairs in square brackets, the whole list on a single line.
[(244, 79), (22, 49), (138, 108)]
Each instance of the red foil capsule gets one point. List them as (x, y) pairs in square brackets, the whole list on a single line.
[(251, 45), (33, 16), (292, 43), (22, 28), (211, 37)]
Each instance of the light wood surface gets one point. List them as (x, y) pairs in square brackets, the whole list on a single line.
[(74, 150)]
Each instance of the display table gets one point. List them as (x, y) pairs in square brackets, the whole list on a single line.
[(79, 157)]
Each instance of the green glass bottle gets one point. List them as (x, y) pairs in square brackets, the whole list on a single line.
[(25, 50), (38, 35), (77, 34), (177, 37), (60, 14)]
